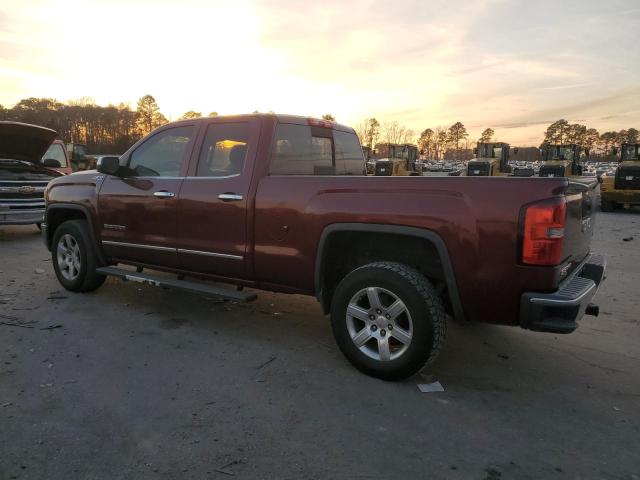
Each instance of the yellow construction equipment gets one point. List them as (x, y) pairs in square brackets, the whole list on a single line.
[(492, 160), (396, 159), (623, 189), (561, 160)]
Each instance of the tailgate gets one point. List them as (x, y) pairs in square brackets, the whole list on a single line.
[(581, 204)]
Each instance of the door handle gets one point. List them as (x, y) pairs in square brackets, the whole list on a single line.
[(164, 194), (230, 197)]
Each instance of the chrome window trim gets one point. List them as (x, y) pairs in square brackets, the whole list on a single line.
[(212, 178), (153, 177), (211, 254)]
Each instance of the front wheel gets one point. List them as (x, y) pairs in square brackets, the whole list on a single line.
[(74, 257), (388, 320)]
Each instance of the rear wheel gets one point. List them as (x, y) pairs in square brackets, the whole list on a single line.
[(388, 320), (74, 257)]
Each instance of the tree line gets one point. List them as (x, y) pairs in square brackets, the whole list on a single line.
[(454, 142), (599, 144), (114, 128), (110, 129), (441, 142)]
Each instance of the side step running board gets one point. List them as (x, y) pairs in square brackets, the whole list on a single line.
[(196, 287)]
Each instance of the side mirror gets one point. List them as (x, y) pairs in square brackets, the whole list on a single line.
[(108, 165), (51, 163)]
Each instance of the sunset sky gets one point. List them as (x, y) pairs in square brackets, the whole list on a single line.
[(514, 66)]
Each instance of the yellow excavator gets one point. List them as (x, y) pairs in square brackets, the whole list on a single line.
[(561, 160), (396, 159), (623, 189), (492, 160)]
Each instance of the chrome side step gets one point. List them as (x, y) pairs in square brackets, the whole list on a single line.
[(196, 287)]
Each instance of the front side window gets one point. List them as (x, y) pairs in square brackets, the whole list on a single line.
[(162, 154), (56, 152), (224, 150)]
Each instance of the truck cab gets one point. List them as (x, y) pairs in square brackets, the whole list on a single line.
[(492, 159), (623, 189)]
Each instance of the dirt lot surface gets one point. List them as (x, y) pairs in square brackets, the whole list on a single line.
[(136, 382)]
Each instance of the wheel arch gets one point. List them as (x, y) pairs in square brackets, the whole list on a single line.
[(330, 232), (58, 213)]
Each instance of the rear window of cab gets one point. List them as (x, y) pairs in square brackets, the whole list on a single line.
[(308, 150)]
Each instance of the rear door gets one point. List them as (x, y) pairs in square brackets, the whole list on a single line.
[(213, 208), (138, 211)]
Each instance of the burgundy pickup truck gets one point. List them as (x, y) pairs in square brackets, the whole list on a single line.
[(282, 203)]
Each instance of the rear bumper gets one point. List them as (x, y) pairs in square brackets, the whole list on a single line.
[(21, 217), (558, 312)]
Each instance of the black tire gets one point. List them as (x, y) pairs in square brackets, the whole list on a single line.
[(424, 311), (87, 279)]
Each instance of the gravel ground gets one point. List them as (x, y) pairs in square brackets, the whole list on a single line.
[(137, 382)]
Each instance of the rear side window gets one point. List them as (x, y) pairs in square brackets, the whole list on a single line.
[(161, 155), (306, 150), (56, 152), (224, 150), (349, 156)]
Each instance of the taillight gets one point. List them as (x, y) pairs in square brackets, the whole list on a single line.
[(543, 233)]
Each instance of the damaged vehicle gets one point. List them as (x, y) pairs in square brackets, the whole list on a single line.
[(25, 172)]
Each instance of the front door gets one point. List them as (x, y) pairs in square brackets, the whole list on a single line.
[(213, 204), (138, 210)]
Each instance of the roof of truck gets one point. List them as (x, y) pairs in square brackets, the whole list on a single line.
[(280, 118)]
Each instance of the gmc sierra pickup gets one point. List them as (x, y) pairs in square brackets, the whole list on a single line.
[(282, 203)]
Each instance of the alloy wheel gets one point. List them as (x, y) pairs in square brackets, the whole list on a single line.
[(379, 323), (68, 254)]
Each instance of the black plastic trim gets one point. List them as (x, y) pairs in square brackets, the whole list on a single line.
[(452, 287), (559, 311), (86, 213)]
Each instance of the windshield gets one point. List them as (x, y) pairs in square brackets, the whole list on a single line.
[(630, 152), (56, 152)]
